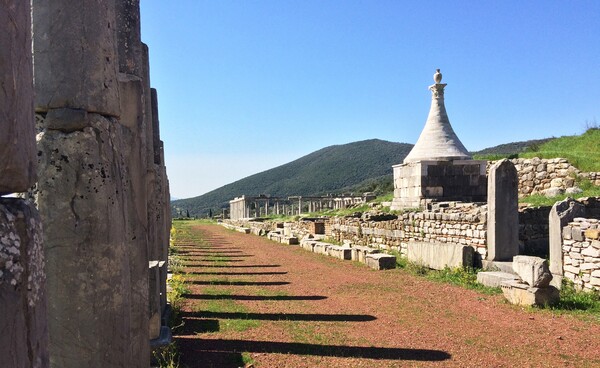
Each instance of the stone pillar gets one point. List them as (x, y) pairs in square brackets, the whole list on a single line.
[(561, 214), (76, 60), (503, 214), (17, 140), (93, 96), (23, 313)]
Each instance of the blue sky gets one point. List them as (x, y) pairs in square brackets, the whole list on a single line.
[(244, 86)]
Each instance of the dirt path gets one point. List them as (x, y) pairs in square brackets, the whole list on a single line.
[(281, 306)]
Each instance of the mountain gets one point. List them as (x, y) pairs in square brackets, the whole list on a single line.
[(363, 165), (511, 149)]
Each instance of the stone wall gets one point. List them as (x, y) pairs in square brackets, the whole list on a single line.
[(537, 175), (460, 224), (581, 252), (465, 225), (534, 231)]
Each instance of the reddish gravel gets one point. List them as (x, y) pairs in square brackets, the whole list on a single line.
[(283, 306)]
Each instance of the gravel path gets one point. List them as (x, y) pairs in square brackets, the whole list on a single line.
[(280, 306)]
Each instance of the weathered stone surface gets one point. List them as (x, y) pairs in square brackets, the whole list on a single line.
[(76, 61), (437, 140), (381, 261), (522, 294), (552, 192), (592, 233), (17, 140), (23, 318), (81, 195), (532, 270), (503, 212), (128, 35), (340, 252), (440, 255), (494, 278), (561, 214)]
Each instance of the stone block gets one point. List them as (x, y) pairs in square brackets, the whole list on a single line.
[(440, 255), (381, 261), (359, 253), (522, 294), (76, 60), (340, 252), (290, 240), (494, 278), (23, 313), (532, 270), (17, 124), (591, 252), (592, 233)]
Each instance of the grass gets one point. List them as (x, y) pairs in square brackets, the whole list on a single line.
[(582, 151), (582, 304), (227, 306), (167, 357)]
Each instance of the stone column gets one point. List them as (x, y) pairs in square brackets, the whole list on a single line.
[(503, 214), (93, 108), (23, 313), (17, 140)]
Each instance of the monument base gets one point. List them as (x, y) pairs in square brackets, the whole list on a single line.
[(420, 182)]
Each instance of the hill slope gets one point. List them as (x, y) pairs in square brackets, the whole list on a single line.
[(324, 171)]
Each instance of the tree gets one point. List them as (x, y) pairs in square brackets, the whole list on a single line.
[(187, 213)]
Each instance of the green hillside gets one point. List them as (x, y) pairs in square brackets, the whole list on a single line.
[(334, 169), (582, 151), (510, 149)]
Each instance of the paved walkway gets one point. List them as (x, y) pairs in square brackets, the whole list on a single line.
[(253, 300)]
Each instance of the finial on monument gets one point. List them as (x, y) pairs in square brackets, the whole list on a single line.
[(437, 90), (437, 77)]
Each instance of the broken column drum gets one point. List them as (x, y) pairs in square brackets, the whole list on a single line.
[(439, 167)]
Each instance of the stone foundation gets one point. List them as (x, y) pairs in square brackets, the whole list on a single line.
[(420, 182)]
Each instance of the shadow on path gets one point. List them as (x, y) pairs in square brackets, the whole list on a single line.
[(239, 283), (252, 297), (222, 353), (233, 266), (282, 316), (236, 273)]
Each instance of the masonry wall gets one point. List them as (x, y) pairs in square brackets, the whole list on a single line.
[(581, 252), (534, 231), (537, 175)]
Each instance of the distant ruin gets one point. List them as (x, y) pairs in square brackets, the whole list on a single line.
[(101, 189), (453, 211), (265, 205)]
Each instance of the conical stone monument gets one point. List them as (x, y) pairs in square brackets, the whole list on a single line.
[(439, 167)]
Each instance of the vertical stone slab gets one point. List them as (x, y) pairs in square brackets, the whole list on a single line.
[(561, 214), (23, 318), (17, 137), (76, 55), (503, 214)]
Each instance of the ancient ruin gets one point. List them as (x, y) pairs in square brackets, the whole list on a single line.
[(439, 167), (101, 189), (265, 205)]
